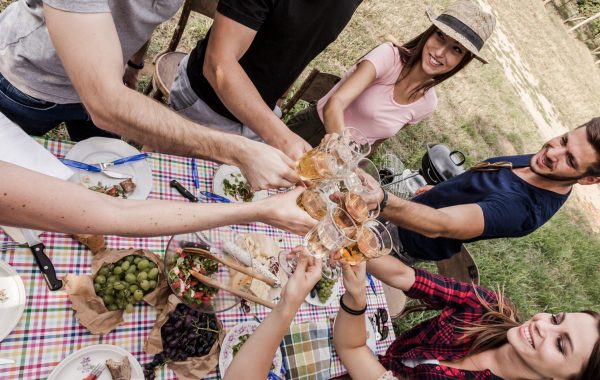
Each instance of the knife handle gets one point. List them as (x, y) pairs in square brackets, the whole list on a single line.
[(46, 267), (183, 191), (80, 165), (137, 157)]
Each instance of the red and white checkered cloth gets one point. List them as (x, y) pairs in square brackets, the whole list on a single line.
[(48, 332)]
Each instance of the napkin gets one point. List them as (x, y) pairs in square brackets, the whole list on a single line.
[(18, 148), (307, 352)]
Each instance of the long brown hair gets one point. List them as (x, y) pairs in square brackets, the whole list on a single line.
[(491, 332), (410, 55)]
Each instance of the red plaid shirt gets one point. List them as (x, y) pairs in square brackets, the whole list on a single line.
[(439, 338)]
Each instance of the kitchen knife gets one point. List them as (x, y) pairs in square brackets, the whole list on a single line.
[(43, 262), (183, 191)]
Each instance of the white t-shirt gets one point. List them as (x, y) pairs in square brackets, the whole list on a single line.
[(375, 112), (28, 59)]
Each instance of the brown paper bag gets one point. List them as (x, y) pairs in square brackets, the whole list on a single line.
[(194, 368), (94, 243), (90, 309)]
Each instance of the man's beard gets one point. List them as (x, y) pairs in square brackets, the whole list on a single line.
[(552, 177)]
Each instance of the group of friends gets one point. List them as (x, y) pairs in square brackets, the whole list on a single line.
[(77, 62)]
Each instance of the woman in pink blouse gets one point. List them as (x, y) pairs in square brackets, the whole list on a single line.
[(392, 86)]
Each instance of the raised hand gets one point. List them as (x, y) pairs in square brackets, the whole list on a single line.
[(266, 167), (281, 211)]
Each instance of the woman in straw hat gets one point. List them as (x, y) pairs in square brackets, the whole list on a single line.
[(477, 335), (392, 86)]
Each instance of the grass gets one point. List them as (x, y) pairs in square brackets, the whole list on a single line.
[(481, 113)]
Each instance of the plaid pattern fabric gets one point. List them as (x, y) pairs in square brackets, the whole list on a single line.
[(48, 331), (306, 351), (439, 338)]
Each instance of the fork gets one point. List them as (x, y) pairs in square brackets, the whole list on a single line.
[(96, 371), (105, 165)]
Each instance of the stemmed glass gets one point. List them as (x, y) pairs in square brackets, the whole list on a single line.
[(358, 185), (314, 202), (335, 231), (333, 156), (372, 240)]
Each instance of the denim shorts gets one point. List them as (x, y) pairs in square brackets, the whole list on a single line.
[(37, 116)]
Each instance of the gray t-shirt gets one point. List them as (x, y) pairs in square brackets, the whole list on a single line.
[(28, 59)]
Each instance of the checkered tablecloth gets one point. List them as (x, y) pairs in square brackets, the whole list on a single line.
[(48, 332)]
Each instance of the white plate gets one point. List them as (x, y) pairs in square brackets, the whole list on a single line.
[(103, 149), (80, 363), (230, 172), (335, 292), (11, 310), (232, 338)]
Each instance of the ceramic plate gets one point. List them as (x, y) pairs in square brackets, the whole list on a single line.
[(232, 338), (80, 363), (335, 293), (231, 173), (12, 308), (103, 149)]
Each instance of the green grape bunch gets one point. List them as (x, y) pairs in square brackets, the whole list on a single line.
[(122, 284)]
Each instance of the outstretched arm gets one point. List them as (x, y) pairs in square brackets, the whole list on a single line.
[(455, 222), (357, 82), (228, 42), (89, 49), (256, 355), (55, 205), (349, 332)]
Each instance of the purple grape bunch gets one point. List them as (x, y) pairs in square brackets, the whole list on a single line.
[(187, 333)]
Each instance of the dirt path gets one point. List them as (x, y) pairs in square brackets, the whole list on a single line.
[(540, 108)]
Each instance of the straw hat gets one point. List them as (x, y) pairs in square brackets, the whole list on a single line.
[(467, 23)]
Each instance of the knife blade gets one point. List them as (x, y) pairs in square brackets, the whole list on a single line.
[(6, 361), (183, 191), (43, 262)]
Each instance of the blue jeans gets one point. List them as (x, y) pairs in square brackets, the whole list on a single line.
[(36, 116)]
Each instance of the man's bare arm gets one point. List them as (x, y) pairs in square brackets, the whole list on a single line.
[(228, 42), (90, 51), (456, 222)]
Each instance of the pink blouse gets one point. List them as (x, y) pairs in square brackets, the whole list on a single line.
[(375, 112)]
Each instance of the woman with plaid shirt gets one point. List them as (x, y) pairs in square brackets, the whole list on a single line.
[(475, 336)]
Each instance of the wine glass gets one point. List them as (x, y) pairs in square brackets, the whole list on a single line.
[(335, 231), (333, 156), (314, 202), (372, 240)]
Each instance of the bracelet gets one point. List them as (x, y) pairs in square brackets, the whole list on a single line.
[(135, 65), (351, 311), (384, 201)]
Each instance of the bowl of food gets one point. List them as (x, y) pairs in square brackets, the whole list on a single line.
[(188, 255)]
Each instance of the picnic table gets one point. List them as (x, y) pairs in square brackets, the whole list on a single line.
[(48, 330)]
